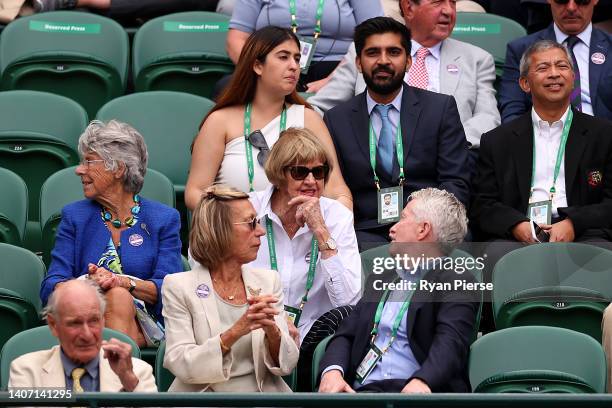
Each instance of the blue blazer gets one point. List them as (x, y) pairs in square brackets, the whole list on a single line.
[(82, 237), (513, 102), (435, 149)]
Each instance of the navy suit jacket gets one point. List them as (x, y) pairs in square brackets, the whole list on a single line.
[(82, 237), (435, 149), (501, 195), (440, 326), (513, 102)]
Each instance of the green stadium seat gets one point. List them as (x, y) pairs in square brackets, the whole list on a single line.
[(316, 361), (83, 56), (163, 376), (40, 338), (64, 187), (39, 133), (181, 52), (553, 284), (489, 32), (537, 359), (21, 274), (13, 208), (169, 121)]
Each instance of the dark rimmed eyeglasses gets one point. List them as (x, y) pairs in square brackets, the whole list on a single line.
[(253, 223), (578, 2), (301, 172), (257, 140)]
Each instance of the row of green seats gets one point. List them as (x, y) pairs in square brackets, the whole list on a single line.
[(85, 56)]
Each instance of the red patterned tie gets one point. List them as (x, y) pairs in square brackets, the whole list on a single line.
[(418, 76)]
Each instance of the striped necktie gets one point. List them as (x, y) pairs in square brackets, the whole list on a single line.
[(575, 98)]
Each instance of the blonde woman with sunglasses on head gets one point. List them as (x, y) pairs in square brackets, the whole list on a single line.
[(310, 239), (225, 326)]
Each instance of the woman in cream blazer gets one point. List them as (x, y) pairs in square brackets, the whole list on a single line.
[(203, 349)]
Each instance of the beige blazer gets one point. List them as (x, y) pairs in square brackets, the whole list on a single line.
[(193, 330), (44, 369)]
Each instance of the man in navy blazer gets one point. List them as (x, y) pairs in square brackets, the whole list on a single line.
[(429, 352), (434, 144), (592, 52)]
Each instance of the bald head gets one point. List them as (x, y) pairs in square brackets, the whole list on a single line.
[(73, 291)]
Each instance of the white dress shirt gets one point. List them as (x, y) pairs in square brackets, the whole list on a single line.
[(337, 279), (581, 51), (432, 64), (547, 139)]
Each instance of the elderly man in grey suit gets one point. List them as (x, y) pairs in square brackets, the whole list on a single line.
[(440, 64)]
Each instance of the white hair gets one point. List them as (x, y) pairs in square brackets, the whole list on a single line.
[(444, 212), (56, 297), (117, 142)]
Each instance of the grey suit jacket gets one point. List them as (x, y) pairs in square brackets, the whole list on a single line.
[(472, 86)]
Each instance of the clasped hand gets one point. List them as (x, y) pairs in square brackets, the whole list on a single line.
[(259, 315), (104, 278)]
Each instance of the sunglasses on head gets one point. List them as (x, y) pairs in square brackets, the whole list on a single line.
[(301, 172), (578, 2), (253, 223), (258, 141)]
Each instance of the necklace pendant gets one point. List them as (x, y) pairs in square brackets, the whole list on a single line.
[(231, 297), (116, 223)]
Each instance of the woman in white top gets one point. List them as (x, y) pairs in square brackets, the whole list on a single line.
[(310, 240), (259, 102)]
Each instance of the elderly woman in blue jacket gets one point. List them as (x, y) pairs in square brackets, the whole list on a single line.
[(122, 241)]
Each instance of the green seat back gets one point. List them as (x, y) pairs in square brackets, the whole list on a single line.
[(537, 359), (39, 134), (317, 356), (22, 272), (489, 32), (168, 121), (163, 376), (181, 52), (40, 338), (16, 315), (553, 284), (83, 56), (64, 187), (13, 207)]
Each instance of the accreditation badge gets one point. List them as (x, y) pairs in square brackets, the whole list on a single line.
[(307, 49), (540, 212), (368, 363), (390, 202), (293, 314)]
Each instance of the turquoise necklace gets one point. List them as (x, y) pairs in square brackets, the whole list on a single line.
[(129, 221)]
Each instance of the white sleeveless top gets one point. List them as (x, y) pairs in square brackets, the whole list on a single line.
[(234, 170)]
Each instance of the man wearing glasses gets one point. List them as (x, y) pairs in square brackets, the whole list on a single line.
[(590, 51)]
